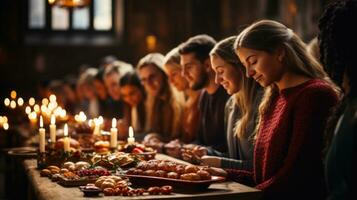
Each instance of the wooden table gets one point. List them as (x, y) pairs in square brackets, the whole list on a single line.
[(44, 189)]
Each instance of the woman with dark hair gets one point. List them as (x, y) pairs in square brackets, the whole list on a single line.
[(338, 41), (292, 115), (133, 93)]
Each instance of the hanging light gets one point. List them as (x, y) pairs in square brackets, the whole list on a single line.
[(69, 3)]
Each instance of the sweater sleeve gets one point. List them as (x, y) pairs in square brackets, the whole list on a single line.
[(241, 176), (237, 164), (310, 112)]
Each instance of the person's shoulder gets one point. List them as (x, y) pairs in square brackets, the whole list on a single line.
[(318, 88)]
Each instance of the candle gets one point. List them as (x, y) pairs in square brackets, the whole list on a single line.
[(42, 135), (96, 127), (131, 139), (114, 134), (66, 139), (53, 129)]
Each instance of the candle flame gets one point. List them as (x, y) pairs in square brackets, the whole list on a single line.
[(114, 123), (65, 130), (53, 119), (41, 121), (131, 132)]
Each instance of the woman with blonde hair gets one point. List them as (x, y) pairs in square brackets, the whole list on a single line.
[(292, 115), (190, 115), (163, 104), (241, 108)]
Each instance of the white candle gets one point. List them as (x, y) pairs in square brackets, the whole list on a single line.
[(42, 135), (66, 139), (131, 139), (114, 134), (53, 129), (96, 127)]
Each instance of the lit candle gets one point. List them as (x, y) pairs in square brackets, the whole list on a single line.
[(66, 139), (42, 134), (114, 134), (131, 139), (96, 127), (53, 129)]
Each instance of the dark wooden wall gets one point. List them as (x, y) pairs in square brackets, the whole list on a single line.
[(26, 59)]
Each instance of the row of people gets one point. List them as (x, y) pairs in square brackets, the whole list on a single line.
[(256, 104)]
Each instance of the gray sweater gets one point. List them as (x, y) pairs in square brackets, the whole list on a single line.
[(240, 150)]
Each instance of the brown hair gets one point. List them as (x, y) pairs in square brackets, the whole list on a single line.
[(268, 35)]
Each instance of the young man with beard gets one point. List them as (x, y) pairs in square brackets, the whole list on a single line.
[(195, 60)]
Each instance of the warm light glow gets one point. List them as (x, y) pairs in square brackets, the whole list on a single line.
[(1, 120), (90, 123), (33, 116), (41, 121), (4, 118), (65, 130), (36, 108), (13, 104), (43, 108), (81, 117), (53, 120), (6, 126), (28, 110), (51, 1), (114, 123), (131, 132), (7, 102), (53, 98), (45, 101), (63, 113), (20, 101), (100, 120), (13, 94), (32, 101), (151, 42), (52, 105)]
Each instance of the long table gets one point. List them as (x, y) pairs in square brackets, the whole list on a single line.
[(44, 189)]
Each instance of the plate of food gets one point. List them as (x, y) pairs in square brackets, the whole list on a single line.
[(163, 172), (144, 180)]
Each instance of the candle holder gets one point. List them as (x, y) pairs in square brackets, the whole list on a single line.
[(41, 160)]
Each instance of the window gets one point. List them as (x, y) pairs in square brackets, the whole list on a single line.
[(97, 17)]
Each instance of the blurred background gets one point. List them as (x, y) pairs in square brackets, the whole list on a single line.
[(41, 42)]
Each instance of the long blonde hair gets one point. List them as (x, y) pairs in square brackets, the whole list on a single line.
[(246, 96), (268, 35)]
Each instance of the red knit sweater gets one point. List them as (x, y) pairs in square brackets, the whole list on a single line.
[(287, 154)]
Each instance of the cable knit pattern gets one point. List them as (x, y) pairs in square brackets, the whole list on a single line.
[(287, 154)]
